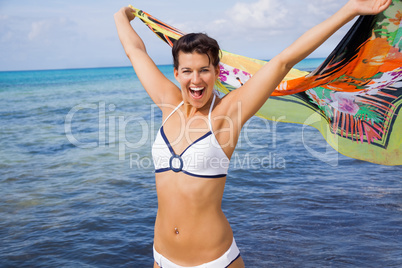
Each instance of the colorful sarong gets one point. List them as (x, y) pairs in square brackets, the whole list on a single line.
[(353, 98)]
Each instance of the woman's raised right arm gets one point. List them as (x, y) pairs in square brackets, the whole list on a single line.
[(159, 88)]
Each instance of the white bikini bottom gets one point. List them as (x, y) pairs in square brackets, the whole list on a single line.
[(223, 261)]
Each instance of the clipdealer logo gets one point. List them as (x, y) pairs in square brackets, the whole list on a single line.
[(114, 130), (239, 161)]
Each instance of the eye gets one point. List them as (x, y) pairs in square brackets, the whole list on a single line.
[(204, 70)]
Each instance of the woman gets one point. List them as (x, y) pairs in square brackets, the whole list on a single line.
[(199, 133)]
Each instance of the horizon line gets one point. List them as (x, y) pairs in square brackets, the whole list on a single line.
[(106, 67)]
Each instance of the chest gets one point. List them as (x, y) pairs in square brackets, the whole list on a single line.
[(182, 134)]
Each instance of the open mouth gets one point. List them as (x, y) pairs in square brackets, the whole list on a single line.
[(197, 92)]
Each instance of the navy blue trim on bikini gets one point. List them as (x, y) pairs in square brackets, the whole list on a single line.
[(174, 154), (204, 176), (233, 261), (162, 170), (200, 138), (192, 174), (170, 146), (166, 141)]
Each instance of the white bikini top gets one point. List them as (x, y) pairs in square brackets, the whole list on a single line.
[(203, 158)]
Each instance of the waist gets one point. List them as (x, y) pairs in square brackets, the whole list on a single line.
[(190, 215), (194, 237)]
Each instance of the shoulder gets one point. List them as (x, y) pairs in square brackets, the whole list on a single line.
[(226, 105), (170, 101), (225, 112)]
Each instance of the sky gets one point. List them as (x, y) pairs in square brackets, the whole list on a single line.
[(55, 34)]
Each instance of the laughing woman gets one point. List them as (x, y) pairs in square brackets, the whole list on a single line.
[(199, 133)]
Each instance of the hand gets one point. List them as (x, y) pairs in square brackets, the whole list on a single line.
[(368, 7), (129, 13), (125, 12)]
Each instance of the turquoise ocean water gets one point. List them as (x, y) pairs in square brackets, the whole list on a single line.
[(77, 183)]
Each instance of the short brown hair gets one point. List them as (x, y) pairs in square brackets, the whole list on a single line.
[(196, 42)]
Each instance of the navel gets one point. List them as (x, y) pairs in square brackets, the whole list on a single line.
[(176, 231)]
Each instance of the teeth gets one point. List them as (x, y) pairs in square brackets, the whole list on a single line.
[(196, 88)]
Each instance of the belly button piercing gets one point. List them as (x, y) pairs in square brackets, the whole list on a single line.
[(176, 231)]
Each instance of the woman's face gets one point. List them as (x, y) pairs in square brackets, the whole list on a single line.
[(197, 77)]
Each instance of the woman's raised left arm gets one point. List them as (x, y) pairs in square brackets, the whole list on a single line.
[(254, 93)]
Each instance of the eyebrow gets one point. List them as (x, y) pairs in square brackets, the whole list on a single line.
[(188, 68)]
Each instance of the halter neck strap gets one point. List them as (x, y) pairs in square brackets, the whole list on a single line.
[(175, 109), (209, 114)]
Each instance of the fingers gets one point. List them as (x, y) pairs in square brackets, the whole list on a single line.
[(130, 13), (371, 7), (386, 5), (382, 5)]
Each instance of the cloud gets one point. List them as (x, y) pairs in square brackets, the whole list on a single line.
[(37, 28), (263, 28), (37, 43), (323, 8), (244, 19), (274, 17), (50, 30), (62, 34), (58, 34), (263, 14)]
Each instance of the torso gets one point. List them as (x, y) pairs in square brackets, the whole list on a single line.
[(190, 227)]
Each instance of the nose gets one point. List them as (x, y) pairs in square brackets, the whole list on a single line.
[(196, 78)]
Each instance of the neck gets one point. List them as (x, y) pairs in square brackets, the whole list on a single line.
[(190, 111)]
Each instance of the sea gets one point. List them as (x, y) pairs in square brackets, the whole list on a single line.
[(77, 186)]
